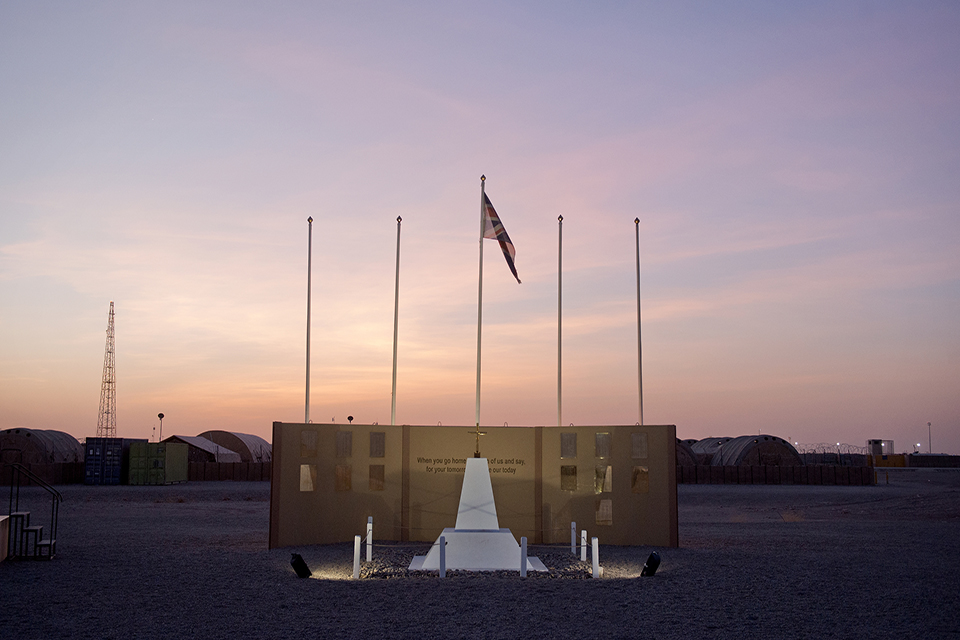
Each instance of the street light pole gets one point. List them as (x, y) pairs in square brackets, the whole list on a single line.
[(929, 439), (160, 415)]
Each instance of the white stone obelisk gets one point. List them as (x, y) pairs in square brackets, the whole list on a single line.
[(477, 543)]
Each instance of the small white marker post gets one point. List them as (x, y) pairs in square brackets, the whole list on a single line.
[(523, 557), (583, 545), (356, 557), (443, 556), (369, 538), (596, 557), (573, 538)]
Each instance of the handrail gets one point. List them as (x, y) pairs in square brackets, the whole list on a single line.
[(34, 478), (21, 471)]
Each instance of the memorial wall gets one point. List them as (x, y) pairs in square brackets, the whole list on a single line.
[(618, 482)]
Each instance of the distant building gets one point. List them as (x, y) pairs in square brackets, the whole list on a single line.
[(759, 450), (203, 450), (685, 455), (879, 447), (250, 447), (38, 446), (707, 448)]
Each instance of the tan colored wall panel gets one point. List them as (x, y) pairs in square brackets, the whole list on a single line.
[(423, 472)]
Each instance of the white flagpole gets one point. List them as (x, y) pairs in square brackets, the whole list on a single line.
[(396, 317), (480, 296), (306, 411), (560, 321), (636, 222)]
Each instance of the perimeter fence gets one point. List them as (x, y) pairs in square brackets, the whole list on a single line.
[(74, 472), (800, 474)]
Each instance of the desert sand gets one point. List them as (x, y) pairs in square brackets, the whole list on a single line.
[(191, 561)]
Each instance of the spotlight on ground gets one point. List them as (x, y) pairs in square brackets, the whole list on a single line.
[(303, 571), (650, 566)]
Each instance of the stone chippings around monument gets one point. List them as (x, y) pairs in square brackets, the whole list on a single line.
[(392, 561)]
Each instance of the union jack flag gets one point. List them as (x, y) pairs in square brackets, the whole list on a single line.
[(493, 228)]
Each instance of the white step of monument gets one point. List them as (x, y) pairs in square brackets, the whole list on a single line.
[(477, 550)]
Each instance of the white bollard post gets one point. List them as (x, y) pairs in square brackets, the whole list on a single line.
[(369, 538), (596, 557), (443, 556), (583, 545), (573, 538), (356, 557), (523, 557)]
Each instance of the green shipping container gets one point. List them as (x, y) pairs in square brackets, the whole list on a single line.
[(158, 463)]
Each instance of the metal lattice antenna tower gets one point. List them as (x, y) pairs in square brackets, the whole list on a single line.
[(107, 422)]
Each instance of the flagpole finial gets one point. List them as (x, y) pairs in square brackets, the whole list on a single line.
[(636, 220), (399, 219), (482, 178), (560, 218)]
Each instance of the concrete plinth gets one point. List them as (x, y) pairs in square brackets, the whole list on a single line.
[(477, 550)]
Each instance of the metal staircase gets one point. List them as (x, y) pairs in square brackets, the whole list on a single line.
[(26, 541)]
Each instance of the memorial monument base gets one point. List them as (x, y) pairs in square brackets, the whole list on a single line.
[(477, 550), (477, 543)]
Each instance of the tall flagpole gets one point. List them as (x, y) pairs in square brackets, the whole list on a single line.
[(396, 317), (480, 295), (306, 412), (636, 222), (560, 321)]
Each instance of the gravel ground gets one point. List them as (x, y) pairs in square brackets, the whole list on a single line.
[(190, 561)]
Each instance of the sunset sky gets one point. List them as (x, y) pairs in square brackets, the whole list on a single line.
[(796, 167)]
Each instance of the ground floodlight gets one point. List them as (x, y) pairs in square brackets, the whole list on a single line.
[(650, 566), (296, 561)]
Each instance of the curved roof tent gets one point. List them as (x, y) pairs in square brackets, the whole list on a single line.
[(250, 447), (758, 451), (39, 446), (203, 450), (685, 455), (707, 448)]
